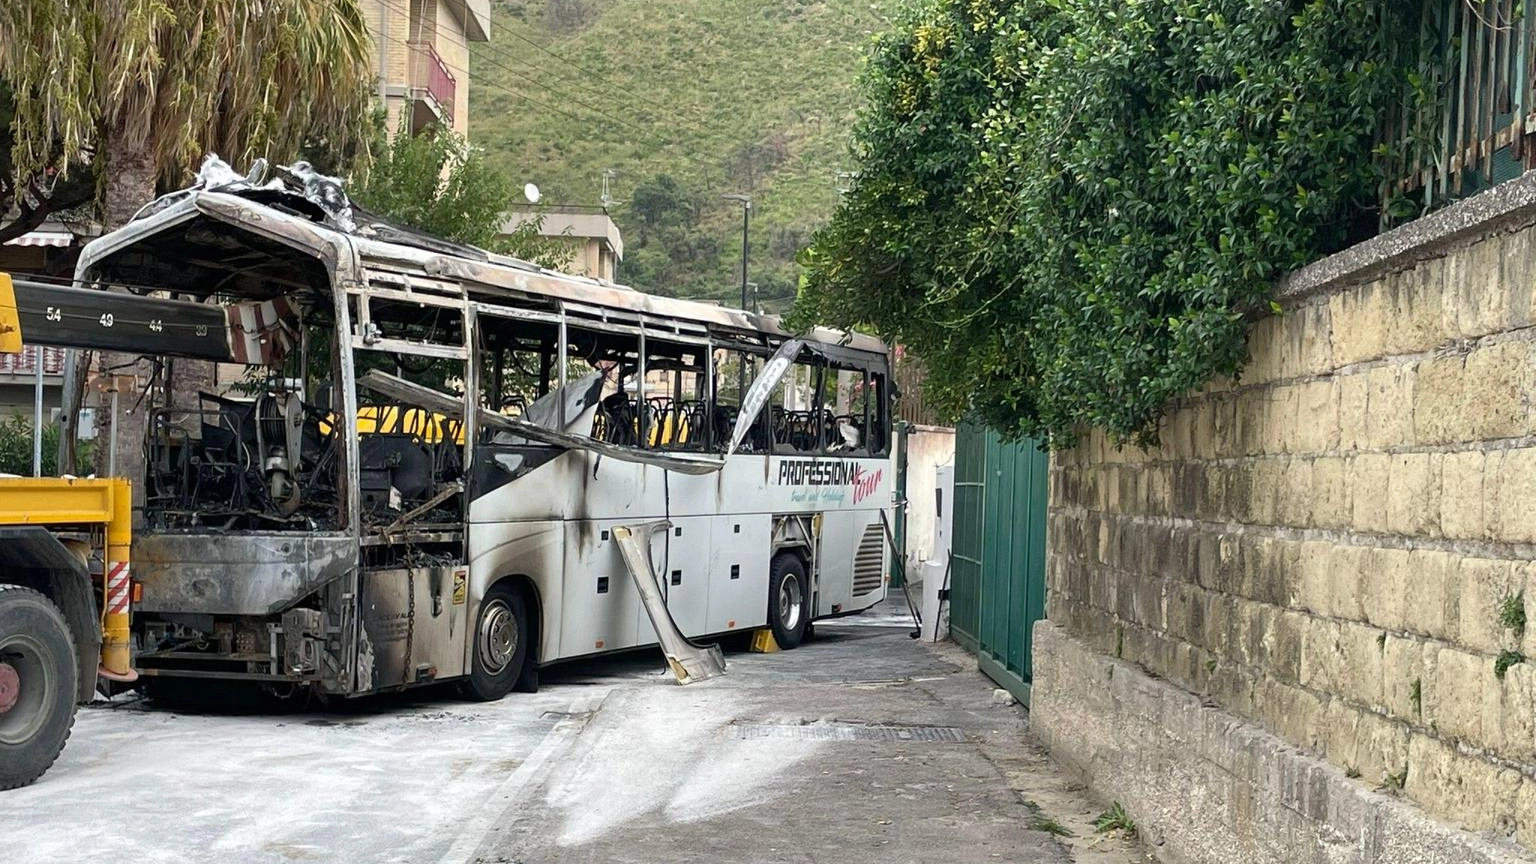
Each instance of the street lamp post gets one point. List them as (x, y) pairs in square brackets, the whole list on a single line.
[(746, 215)]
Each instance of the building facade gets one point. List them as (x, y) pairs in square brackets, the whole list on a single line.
[(597, 247), (421, 54)]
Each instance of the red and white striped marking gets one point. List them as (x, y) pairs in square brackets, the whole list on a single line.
[(261, 333), (118, 585)]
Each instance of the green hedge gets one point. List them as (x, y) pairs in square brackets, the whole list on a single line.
[(1071, 209)]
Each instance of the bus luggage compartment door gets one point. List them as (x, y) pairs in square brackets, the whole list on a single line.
[(600, 608), (413, 625), (681, 556), (738, 574)]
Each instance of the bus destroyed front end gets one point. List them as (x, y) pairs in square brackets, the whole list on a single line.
[(263, 505), (235, 603)]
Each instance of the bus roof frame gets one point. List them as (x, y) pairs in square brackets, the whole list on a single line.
[(352, 257)]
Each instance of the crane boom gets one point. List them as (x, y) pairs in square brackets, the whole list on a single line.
[(57, 315)]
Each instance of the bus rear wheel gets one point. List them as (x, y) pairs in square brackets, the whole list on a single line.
[(501, 644), (38, 678), (789, 607)]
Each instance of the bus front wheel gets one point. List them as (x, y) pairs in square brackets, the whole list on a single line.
[(501, 644), (789, 606)]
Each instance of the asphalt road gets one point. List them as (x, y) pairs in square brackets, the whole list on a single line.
[(859, 746)]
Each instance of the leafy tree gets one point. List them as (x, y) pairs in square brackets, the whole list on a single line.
[(35, 196), (1072, 209), (661, 202), (435, 182), (144, 88), (16, 446)]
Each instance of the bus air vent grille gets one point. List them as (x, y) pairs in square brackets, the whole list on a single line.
[(869, 562)]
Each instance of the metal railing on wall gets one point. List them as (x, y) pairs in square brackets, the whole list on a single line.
[(910, 404), (25, 362), (1473, 73)]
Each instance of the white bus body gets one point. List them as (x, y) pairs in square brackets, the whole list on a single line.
[(316, 536), (713, 562)]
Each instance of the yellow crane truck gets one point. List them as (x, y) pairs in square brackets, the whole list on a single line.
[(65, 599)]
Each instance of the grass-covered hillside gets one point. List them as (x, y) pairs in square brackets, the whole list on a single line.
[(685, 100)]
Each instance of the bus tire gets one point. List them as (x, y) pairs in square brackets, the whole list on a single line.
[(501, 644), (789, 608), (39, 678)]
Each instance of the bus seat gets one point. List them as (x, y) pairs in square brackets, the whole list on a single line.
[(621, 421), (693, 422), (401, 461)]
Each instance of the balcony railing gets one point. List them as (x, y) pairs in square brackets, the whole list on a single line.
[(431, 80), (25, 363)]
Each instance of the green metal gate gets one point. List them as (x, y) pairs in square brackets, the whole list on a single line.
[(997, 575)]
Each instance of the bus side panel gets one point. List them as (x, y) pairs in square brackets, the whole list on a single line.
[(601, 607), (854, 561), (412, 610), (535, 550), (738, 572), (839, 538), (683, 565), (871, 561)]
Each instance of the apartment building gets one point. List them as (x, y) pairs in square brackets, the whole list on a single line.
[(594, 241), (421, 52)]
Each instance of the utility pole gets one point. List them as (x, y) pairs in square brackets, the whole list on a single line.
[(607, 198), (383, 51), (37, 413)]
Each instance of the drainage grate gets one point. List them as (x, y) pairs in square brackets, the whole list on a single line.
[(831, 732)]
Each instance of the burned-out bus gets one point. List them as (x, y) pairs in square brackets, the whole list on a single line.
[(422, 456)]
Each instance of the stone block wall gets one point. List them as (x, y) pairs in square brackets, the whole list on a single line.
[(1340, 547)]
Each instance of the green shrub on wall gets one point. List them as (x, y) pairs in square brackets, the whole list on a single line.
[(16, 447), (1070, 209)]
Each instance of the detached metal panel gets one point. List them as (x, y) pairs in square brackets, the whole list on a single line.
[(997, 586)]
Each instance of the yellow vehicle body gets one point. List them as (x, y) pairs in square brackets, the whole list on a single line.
[(10, 317), (53, 611), (94, 508)]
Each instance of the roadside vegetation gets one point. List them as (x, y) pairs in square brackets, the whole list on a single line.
[(1072, 210)]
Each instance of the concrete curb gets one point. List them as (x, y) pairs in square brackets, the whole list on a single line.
[(1506, 207)]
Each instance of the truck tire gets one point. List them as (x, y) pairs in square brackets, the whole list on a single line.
[(38, 677), (501, 644), (789, 600)]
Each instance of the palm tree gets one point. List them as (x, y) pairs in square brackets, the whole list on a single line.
[(141, 89), (149, 86)]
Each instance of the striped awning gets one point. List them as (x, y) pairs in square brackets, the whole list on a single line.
[(43, 238)]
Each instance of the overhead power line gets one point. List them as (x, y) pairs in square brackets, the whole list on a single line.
[(605, 113), (496, 84)]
